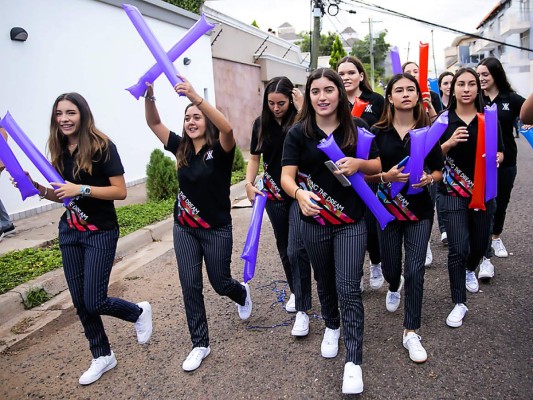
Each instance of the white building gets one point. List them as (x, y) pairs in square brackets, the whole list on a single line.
[(91, 47)]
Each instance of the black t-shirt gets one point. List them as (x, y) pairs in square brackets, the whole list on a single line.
[(204, 185), (392, 149), (340, 205), (509, 105), (459, 162), (435, 101), (374, 109), (89, 213), (271, 150)]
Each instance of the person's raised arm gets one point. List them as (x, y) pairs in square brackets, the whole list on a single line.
[(227, 142), (152, 116)]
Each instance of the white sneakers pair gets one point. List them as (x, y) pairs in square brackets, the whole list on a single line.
[(486, 272), (195, 358), (392, 300), (455, 318), (499, 249), (101, 365), (376, 276), (417, 353), (429, 256), (246, 310)]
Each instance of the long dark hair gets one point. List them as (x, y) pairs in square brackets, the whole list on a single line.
[(498, 74), (308, 114), (91, 141), (186, 147), (452, 105), (364, 85), (420, 115), (284, 86)]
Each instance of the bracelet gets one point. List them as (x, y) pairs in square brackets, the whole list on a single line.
[(150, 98), (381, 177), (296, 191), (201, 101), (45, 193)]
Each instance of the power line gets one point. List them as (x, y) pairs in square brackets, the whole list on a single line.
[(375, 7)]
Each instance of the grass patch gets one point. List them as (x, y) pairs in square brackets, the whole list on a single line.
[(136, 216), (35, 297)]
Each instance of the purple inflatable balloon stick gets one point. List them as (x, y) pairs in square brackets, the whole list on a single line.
[(332, 150), (435, 131), (491, 147), (31, 151), (395, 59), (193, 34), (418, 142), (153, 45), (249, 253), (364, 142), (12, 165)]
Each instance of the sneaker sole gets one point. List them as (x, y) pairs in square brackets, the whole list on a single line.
[(290, 310), (300, 333), (454, 324), (473, 291), (108, 368), (485, 278)]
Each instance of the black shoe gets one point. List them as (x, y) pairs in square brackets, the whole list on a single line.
[(10, 230)]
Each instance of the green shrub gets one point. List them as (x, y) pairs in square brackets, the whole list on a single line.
[(238, 161), (161, 180), (35, 297)]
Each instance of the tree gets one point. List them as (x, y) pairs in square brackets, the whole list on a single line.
[(337, 52), (361, 50), (189, 5), (325, 46)]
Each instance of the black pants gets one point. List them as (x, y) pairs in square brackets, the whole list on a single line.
[(299, 260), (337, 255), (437, 204), (372, 228), (468, 238), (87, 262), (214, 247), (506, 178), (415, 236)]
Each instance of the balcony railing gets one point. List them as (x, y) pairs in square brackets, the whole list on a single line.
[(514, 24)]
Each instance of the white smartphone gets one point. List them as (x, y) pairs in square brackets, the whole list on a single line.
[(340, 177)]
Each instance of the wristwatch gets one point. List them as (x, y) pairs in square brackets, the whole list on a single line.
[(85, 190)]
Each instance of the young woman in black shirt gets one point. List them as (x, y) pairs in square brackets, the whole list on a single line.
[(468, 229), (281, 102), (498, 90), (88, 230), (202, 228), (413, 212), (357, 85), (332, 225)]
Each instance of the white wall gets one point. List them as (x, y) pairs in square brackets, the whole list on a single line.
[(90, 47)]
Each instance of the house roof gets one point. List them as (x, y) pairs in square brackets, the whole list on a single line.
[(492, 13), (285, 25)]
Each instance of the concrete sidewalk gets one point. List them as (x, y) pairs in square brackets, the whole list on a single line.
[(133, 251)]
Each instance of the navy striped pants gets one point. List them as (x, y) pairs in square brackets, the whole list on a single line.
[(213, 245), (87, 262), (469, 235), (415, 236), (372, 227), (337, 255), (285, 219)]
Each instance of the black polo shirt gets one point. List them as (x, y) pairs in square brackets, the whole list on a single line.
[(89, 213), (340, 205), (374, 109), (459, 162), (204, 184), (392, 149), (435, 101), (271, 150), (509, 105)]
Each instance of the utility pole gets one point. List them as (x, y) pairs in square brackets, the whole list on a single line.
[(315, 41), (433, 51), (371, 38)]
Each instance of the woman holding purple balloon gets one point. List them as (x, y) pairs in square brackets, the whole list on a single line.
[(413, 211), (202, 220)]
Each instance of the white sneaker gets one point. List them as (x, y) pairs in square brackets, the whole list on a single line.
[(290, 306), (376, 276), (472, 284), (195, 358), (352, 382), (444, 238), (455, 318), (486, 269), (499, 248), (246, 310), (301, 324), (362, 285), (392, 300), (143, 326), (417, 353), (98, 367), (429, 257), (330, 343)]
